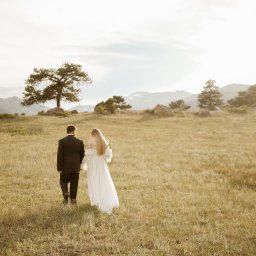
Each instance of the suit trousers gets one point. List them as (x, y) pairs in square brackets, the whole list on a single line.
[(71, 178)]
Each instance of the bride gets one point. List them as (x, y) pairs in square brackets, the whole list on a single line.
[(102, 192)]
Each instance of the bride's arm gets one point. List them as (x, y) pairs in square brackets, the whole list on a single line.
[(89, 152), (108, 154)]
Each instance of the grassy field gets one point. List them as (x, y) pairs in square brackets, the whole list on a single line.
[(187, 186)]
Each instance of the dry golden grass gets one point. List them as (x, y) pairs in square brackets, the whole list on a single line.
[(187, 186)]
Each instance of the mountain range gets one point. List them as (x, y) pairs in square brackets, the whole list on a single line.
[(13, 105), (138, 100), (83, 108), (145, 100)]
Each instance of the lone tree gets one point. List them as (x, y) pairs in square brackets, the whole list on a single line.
[(179, 105), (245, 98), (210, 97), (111, 105), (55, 84)]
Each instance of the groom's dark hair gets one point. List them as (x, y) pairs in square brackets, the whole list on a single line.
[(71, 128)]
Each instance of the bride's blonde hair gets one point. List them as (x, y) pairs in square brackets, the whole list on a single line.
[(101, 142)]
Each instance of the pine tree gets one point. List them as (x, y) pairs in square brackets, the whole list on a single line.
[(245, 98), (210, 97)]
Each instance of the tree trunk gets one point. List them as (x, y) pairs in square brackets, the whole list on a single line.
[(58, 102)]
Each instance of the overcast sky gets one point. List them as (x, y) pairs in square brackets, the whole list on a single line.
[(129, 45)]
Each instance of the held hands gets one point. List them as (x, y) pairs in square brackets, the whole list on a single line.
[(83, 167)]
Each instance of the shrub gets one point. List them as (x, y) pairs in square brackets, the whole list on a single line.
[(22, 130), (238, 110), (41, 113), (99, 109), (162, 111), (178, 113), (74, 112), (55, 111), (63, 114), (244, 99), (149, 111), (203, 113), (25, 131), (7, 116), (111, 105), (179, 105)]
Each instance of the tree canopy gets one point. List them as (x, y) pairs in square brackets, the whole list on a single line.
[(178, 105), (245, 98), (111, 105), (55, 84), (210, 97)]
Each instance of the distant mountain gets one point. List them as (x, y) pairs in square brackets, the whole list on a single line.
[(138, 100), (230, 91), (83, 108), (13, 105), (144, 100)]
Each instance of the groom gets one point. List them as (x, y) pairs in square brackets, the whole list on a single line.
[(69, 158)]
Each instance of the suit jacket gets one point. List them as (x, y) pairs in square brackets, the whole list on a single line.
[(70, 154)]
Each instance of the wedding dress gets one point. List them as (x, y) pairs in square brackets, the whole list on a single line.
[(102, 192)]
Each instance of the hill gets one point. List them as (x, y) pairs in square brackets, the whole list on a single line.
[(13, 105), (231, 90)]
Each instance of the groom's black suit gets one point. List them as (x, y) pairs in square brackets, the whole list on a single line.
[(69, 158)]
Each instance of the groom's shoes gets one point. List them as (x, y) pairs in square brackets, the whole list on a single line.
[(73, 201), (65, 200)]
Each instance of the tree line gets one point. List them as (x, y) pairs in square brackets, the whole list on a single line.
[(64, 84), (210, 98)]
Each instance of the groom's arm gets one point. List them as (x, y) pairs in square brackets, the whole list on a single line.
[(60, 156), (82, 152)]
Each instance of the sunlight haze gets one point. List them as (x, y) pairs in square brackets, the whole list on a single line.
[(129, 46)]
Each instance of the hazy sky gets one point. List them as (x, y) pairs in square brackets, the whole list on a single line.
[(129, 45)]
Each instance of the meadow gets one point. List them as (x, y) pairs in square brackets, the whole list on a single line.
[(186, 185)]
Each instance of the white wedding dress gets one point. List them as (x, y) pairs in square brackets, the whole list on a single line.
[(102, 192)]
